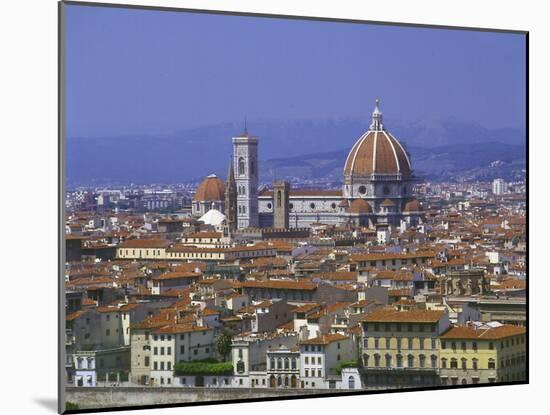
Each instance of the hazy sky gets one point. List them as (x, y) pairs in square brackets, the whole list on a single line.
[(154, 72)]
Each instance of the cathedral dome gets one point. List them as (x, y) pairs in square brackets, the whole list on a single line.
[(377, 152), (360, 206), (412, 205), (211, 189)]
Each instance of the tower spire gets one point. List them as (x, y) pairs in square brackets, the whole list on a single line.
[(245, 129), (377, 123)]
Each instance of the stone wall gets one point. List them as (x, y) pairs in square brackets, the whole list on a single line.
[(101, 397)]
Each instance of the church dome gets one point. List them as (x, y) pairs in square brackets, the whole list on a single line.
[(360, 206), (412, 205), (377, 152), (211, 189)]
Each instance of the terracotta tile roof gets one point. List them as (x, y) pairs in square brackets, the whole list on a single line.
[(180, 328), (145, 243), (177, 275), (384, 315), (325, 339), (280, 285), (469, 332)]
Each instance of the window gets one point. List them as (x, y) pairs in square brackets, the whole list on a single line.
[(464, 363), (183, 381), (155, 365), (169, 366), (453, 346), (454, 363), (146, 363), (410, 361), (434, 360), (287, 363), (195, 352), (422, 343), (279, 363), (388, 360), (463, 346), (474, 363), (491, 346), (409, 325), (319, 360), (388, 342), (399, 343), (319, 373), (409, 343), (162, 350), (272, 363), (444, 363), (293, 363), (422, 360), (306, 360), (108, 332), (161, 365), (162, 337), (182, 349), (376, 343), (377, 360), (241, 166), (182, 336), (338, 357), (306, 373), (169, 351), (312, 205)]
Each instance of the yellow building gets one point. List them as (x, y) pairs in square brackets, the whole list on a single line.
[(482, 354), (400, 348), (143, 249)]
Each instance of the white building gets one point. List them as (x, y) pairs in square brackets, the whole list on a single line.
[(500, 187)]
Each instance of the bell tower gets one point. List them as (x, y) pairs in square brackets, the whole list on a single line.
[(245, 160)]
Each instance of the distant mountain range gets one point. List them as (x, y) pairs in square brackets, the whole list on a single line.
[(308, 148)]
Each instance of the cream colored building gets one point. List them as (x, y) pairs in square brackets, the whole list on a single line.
[(400, 348), (483, 353)]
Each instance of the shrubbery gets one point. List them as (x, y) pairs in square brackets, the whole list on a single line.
[(203, 367), (346, 364)]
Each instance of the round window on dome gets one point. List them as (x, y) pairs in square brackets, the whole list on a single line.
[(386, 190), (269, 205), (362, 190), (291, 206), (333, 206), (312, 205)]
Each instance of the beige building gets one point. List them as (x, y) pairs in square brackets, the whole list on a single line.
[(400, 349), (483, 353)]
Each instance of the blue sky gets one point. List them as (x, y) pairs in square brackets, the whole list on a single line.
[(133, 71)]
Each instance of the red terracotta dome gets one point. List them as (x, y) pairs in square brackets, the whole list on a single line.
[(360, 206), (377, 152), (412, 205), (211, 189)]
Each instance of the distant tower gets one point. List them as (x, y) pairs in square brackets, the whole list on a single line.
[(281, 194), (245, 159), (231, 199)]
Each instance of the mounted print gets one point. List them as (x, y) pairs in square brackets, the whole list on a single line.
[(261, 207)]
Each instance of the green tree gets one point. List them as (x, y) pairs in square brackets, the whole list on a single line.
[(223, 344)]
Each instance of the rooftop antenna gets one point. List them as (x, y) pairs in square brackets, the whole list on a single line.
[(245, 129)]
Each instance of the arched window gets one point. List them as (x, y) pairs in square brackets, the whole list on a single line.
[(293, 363), (422, 360), (434, 360), (377, 360), (286, 363), (444, 363), (365, 359), (241, 166), (388, 360), (410, 362), (279, 381), (351, 382), (279, 363), (272, 363)]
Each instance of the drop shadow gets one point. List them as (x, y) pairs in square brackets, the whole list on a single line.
[(48, 403)]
